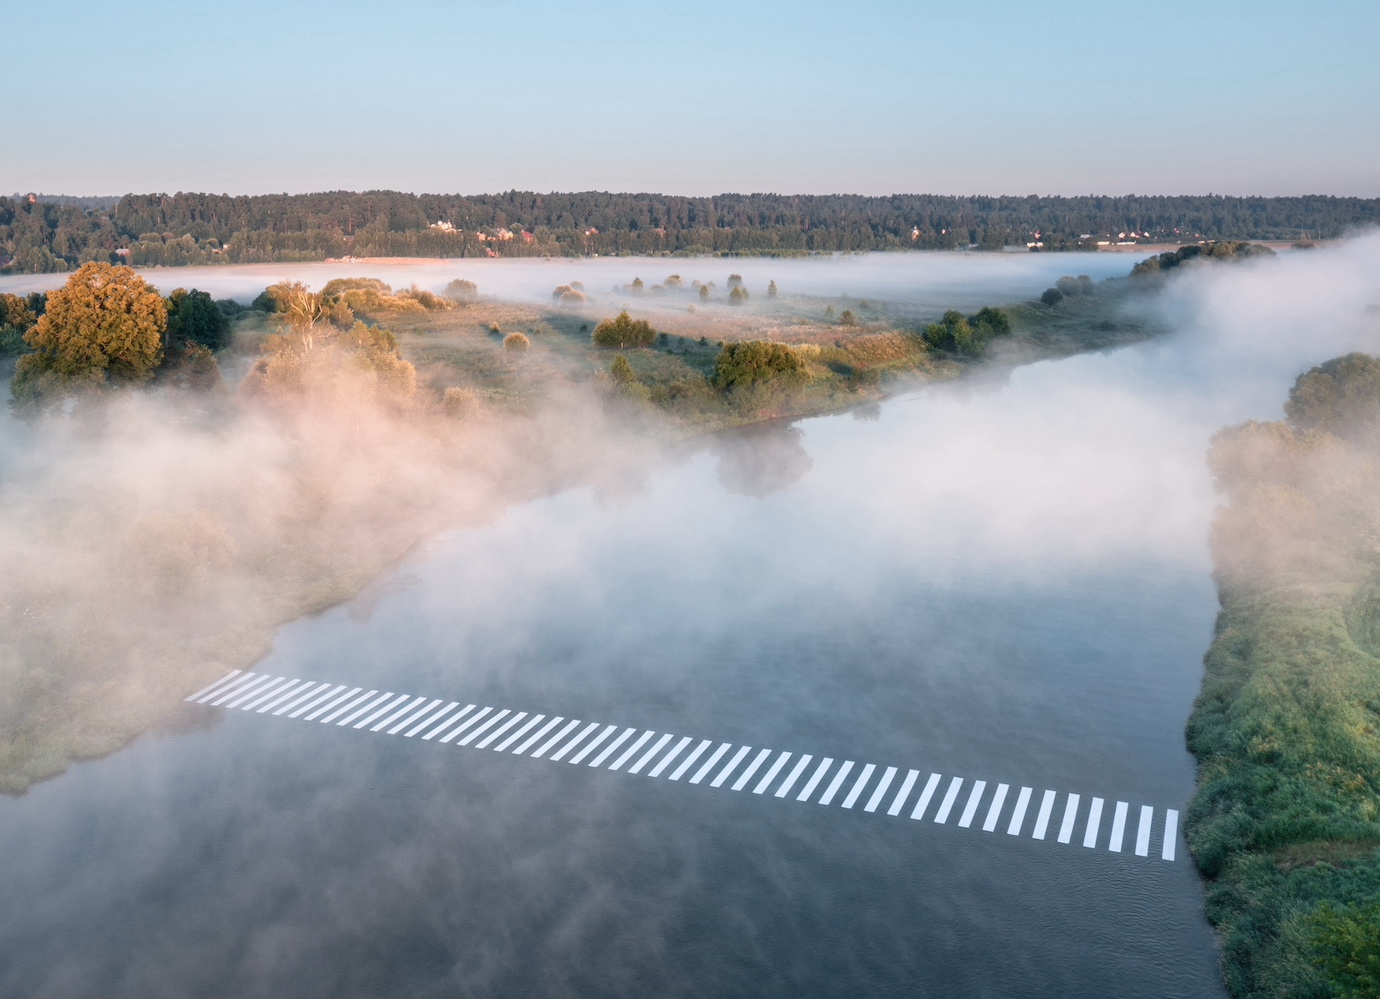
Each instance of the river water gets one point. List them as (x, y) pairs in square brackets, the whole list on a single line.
[(1004, 580)]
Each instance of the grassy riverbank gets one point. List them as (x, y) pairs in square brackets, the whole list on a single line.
[(1286, 819)]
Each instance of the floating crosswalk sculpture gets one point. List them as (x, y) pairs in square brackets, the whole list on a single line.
[(559, 739)]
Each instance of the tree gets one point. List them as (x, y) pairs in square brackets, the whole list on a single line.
[(103, 328), (704, 293), (624, 331), (1340, 396), (737, 295), (621, 370), (1052, 296), (462, 291), (195, 318), (846, 318), (754, 363), (771, 290)]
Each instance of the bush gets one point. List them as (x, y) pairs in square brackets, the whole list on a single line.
[(623, 332), (516, 342), (461, 292), (1052, 296), (459, 403)]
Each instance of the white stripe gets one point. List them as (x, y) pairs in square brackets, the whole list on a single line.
[(233, 697), (904, 793), (709, 764), (746, 775), (319, 699), (389, 707), (476, 733), (627, 755), (413, 717), (612, 747), (994, 810), (498, 732), (925, 795), (431, 718), (947, 804), (295, 688), (1042, 820), (407, 711), (815, 778), (593, 745), (646, 758), (728, 767), (207, 690), (1070, 814), (537, 735), (448, 722), (219, 695), (331, 701), (349, 704), (1147, 815), (1171, 833), (369, 707), (559, 755), (794, 775), (876, 798), (451, 735), (970, 809), (689, 761), (836, 783), (1118, 827), (273, 693), (315, 690), (765, 782), (1094, 822), (536, 720), (665, 760), (858, 785), (1018, 816), (541, 750)]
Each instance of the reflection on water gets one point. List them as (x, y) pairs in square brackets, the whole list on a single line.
[(760, 460)]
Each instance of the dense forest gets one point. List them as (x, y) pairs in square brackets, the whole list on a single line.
[(40, 233)]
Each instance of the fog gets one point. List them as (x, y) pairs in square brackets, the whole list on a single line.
[(1007, 575)]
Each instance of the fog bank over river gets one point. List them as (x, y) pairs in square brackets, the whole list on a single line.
[(1005, 579)]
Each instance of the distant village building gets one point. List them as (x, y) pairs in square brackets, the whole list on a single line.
[(443, 226)]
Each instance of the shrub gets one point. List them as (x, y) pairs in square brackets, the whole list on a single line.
[(1052, 296), (459, 403), (461, 292), (516, 342), (623, 332)]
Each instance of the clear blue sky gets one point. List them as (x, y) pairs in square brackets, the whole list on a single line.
[(873, 97)]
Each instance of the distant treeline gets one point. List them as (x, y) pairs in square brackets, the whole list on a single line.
[(38, 235)]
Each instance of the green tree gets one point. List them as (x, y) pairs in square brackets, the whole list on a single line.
[(1052, 296), (737, 295), (195, 318), (1340, 396), (624, 331), (621, 370), (103, 328), (757, 362)]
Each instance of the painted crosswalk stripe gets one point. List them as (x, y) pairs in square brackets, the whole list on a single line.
[(233, 696), (331, 700), (1042, 820), (430, 719), (252, 697), (449, 721), (925, 795), (295, 689), (541, 751), (776, 766), (319, 700), (945, 806), (497, 733), (628, 754), (689, 761), (793, 776), (350, 703), (593, 744), (1070, 814), (741, 782), (376, 708), (368, 705), (703, 771), (1171, 833), (215, 697), (647, 756), (858, 785), (559, 754), (887, 777), (477, 732), (1147, 815), (400, 712), (666, 760), (1118, 827), (1018, 814), (455, 732), (815, 778), (729, 766), (412, 716), (537, 735), (970, 809), (205, 691), (612, 747), (1094, 821), (533, 723), (404, 703), (836, 783), (901, 795), (989, 824), (272, 696), (300, 695)]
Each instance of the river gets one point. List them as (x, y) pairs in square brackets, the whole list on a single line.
[(1003, 583)]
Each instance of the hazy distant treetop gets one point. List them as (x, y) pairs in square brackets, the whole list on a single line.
[(461, 290), (1340, 396)]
